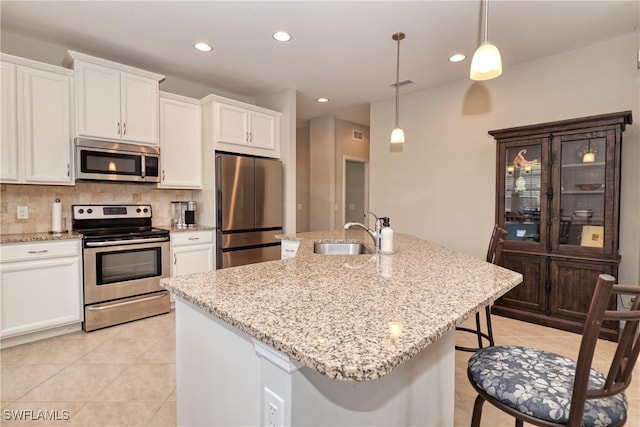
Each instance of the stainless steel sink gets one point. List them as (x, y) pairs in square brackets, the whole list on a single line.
[(342, 248)]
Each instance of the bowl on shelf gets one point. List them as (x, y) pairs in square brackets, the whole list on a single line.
[(583, 213), (588, 186)]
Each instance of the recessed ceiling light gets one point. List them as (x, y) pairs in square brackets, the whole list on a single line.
[(322, 99), (457, 57), (282, 36), (203, 47)]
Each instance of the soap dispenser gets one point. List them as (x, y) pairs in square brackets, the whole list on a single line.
[(386, 234)]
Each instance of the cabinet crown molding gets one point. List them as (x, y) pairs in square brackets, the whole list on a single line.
[(73, 56)]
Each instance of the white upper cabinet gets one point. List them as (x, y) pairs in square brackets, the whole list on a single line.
[(180, 142), (241, 128), (115, 101), (9, 128), (36, 122)]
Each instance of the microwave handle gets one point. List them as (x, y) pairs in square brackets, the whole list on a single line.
[(144, 166)]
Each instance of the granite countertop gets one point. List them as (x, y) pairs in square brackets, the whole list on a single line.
[(37, 237), (350, 317)]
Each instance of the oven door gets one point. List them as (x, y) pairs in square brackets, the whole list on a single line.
[(123, 270)]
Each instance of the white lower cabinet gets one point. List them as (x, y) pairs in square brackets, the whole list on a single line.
[(41, 290), (192, 252)]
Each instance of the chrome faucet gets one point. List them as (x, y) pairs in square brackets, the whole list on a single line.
[(372, 233)]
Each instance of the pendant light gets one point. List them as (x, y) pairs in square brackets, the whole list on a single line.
[(397, 135), (589, 156), (486, 63)]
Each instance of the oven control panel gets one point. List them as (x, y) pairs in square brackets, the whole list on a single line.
[(81, 212)]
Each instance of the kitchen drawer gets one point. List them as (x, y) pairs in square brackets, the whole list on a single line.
[(40, 250), (182, 238)]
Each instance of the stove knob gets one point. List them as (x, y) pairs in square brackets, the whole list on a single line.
[(145, 210), (138, 210), (89, 211), (80, 211)]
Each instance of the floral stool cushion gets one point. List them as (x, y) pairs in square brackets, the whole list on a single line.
[(540, 384)]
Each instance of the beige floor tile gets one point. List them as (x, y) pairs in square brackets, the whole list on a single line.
[(159, 326), (39, 413), (20, 379), (118, 350), (166, 415), (75, 383), (110, 414), (141, 383), (58, 351), (164, 351)]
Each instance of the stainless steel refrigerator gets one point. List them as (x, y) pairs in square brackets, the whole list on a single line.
[(248, 209)]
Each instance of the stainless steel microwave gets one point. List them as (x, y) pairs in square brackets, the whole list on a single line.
[(116, 161)]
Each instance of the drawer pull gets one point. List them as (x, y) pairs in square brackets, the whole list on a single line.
[(42, 251), (194, 238), (120, 304)]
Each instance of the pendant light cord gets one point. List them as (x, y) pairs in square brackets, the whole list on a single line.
[(397, 85), (486, 21)]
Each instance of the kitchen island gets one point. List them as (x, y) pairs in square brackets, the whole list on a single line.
[(328, 339)]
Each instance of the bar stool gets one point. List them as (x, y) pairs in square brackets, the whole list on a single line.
[(493, 256)]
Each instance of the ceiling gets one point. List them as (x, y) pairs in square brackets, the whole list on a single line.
[(340, 50)]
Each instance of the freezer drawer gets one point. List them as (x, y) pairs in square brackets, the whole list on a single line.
[(250, 256), (250, 238)]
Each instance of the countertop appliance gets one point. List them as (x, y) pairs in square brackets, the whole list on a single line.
[(116, 161), (248, 209), (124, 258)]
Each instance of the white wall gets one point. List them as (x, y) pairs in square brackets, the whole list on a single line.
[(303, 159), (322, 173), (284, 101), (441, 186)]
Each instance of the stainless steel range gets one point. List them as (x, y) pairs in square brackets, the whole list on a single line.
[(124, 258)]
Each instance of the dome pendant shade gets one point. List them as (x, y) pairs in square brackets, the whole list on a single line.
[(397, 136), (589, 157), (486, 63)]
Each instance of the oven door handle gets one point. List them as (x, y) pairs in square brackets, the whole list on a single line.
[(125, 242), (119, 304)]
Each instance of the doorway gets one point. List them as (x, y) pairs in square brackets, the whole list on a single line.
[(355, 189)]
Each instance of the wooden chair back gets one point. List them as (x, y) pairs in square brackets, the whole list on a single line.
[(494, 253), (626, 354)]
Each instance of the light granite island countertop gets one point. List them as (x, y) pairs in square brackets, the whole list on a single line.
[(376, 322)]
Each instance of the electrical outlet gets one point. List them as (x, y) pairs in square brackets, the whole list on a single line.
[(23, 212), (273, 409)]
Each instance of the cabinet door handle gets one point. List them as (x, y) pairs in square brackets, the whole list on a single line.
[(42, 251), (124, 128), (163, 175), (250, 136), (68, 169), (118, 128), (175, 259)]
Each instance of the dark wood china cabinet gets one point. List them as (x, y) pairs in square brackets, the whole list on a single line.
[(558, 197)]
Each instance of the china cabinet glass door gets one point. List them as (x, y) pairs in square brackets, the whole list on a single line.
[(524, 186), (581, 205)]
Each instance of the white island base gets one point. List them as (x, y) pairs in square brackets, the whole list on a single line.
[(227, 378)]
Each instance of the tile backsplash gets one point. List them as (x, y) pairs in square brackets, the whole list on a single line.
[(38, 198)]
